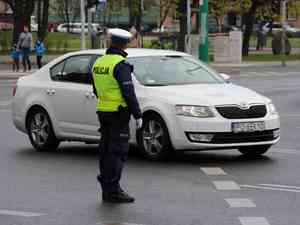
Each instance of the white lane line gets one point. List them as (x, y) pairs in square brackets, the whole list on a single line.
[(226, 185), (5, 102), (281, 186), (253, 221), (213, 171), (286, 151), (8, 85), (240, 203), (290, 115), (117, 223), (20, 213), (269, 188)]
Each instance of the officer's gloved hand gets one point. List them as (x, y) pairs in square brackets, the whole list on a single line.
[(139, 123)]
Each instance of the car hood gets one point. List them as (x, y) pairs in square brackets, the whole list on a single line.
[(207, 94)]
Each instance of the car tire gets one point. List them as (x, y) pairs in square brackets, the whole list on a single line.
[(40, 131), (254, 151), (153, 138)]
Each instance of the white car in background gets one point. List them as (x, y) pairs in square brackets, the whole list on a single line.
[(277, 27), (186, 106), (75, 28)]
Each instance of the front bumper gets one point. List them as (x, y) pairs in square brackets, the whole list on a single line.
[(221, 129)]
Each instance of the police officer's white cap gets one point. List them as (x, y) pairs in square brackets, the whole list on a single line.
[(119, 36)]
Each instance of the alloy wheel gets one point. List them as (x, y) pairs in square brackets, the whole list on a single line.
[(39, 128), (153, 137)]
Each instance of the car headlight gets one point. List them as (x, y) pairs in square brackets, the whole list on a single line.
[(194, 111), (272, 109)]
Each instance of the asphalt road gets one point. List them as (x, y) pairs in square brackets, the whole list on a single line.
[(60, 188)]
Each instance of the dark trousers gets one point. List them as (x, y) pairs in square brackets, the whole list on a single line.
[(39, 61), (16, 64), (26, 60), (113, 149)]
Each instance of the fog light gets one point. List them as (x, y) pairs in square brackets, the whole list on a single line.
[(276, 133), (196, 137)]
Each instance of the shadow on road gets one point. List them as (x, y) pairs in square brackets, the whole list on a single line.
[(203, 158)]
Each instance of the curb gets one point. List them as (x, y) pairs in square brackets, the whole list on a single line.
[(9, 75)]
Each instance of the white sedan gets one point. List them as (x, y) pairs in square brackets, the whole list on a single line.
[(185, 104)]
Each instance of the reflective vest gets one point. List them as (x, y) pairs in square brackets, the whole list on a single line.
[(107, 87)]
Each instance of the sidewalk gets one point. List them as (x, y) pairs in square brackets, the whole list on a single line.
[(5, 59), (231, 68)]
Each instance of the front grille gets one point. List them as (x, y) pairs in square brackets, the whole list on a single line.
[(234, 112), (228, 138)]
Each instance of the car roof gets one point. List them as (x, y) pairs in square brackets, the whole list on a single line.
[(132, 52)]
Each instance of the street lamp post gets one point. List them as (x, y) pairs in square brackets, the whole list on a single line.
[(188, 19), (82, 14), (142, 26), (283, 21), (203, 17)]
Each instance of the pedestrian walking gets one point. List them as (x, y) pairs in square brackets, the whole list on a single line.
[(40, 51), (117, 101), (25, 45), (261, 39), (134, 43), (15, 56)]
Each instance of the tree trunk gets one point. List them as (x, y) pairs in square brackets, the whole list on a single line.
[(43, 25), (19, 21), (139, 17), (135, 13), (67, 16), (183, 25), (22, 10), (131, 13), (249, 18), (39, 16)]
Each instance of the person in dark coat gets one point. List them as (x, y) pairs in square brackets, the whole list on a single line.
[(117, 101)]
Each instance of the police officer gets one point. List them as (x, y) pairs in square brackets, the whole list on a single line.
[(116, 103)]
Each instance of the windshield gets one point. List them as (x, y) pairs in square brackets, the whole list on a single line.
[(172, 70)]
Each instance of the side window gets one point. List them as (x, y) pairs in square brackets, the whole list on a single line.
[(92, 62), (57, 71), (74, 69)]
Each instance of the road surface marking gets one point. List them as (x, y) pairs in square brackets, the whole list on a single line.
[(240, 203), (267, 74), (270, 188), (226, 185), (5, 103), (290, 115), (20, 213), (213, 171), (281, 186), (286, 151), (253, 221), (117, 223)]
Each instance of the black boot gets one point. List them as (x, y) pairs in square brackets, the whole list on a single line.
[(117, 197)]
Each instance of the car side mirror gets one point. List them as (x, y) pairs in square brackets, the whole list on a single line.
[(225, 76)]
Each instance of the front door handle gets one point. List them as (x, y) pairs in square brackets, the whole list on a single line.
[(90, 95), (93, 95), (50, 92)]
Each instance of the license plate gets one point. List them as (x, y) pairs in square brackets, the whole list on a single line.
[(241, 127)]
